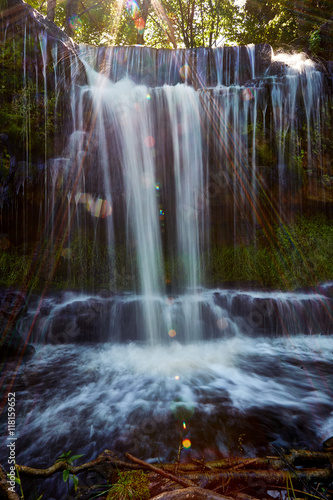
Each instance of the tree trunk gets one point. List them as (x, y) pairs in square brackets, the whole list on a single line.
[(71, 15), (145, 11), (51, 7)]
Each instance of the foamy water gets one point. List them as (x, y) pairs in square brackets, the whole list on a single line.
[(88, 399)]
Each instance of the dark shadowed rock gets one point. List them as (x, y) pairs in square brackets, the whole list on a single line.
[(12, 309)]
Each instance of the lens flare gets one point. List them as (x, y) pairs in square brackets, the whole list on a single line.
[(184, 425), (149, 141), (177, 377), (187, 443), (172, 333), (99, 208), (140, 24), (147, 180), (83, 198), (222, 323), (132, 8), (247, 94), (185, 71), (75, 23)]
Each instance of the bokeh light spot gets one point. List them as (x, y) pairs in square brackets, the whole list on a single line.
[(75, 23), (187, 443), (83, 198), (132, 8), (247, 94), (99, 208), (147, 180), (177, 377), (185, 71), (139, 24), (149, 141), (222, 323)]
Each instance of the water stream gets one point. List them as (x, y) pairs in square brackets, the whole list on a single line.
[(155, 139)]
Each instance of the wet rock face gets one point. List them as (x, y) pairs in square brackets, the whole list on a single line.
[(74, 319), (36, 75), (200, 67), (12, 308), (326, 40)]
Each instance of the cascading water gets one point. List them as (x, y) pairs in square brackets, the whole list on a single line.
[(167, 152)]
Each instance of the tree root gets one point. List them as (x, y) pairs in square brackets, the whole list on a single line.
[(202, 480), (190, 494)]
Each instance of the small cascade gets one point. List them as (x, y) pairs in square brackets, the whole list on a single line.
[(299, 87), (199, 67), (220, 314)]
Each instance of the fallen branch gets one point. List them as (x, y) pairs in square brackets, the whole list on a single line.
[(62, 465), (190, 494), (230, 463), (183, 482), (304, 481), (294, 457), (200, 477), (250, 461), (211, 479)]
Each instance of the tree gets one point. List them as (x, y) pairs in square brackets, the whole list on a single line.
[(281, 22), (194, 23), (266, 21), (51, 7), (71, 20)]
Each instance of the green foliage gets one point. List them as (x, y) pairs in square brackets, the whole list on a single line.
[(228, 264), (198, 23), (314, 41), (66, 475), (305, 251), (300, 254), (27, 115), (131, 485), (263, 21), (67, 457)]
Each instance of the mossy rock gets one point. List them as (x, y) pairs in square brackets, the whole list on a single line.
[(130, 485)]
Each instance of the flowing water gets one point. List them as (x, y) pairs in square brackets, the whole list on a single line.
[(164, 150), (234, 395)]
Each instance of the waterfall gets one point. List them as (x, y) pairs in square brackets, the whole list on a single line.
[(154, 162), (158, 157)]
